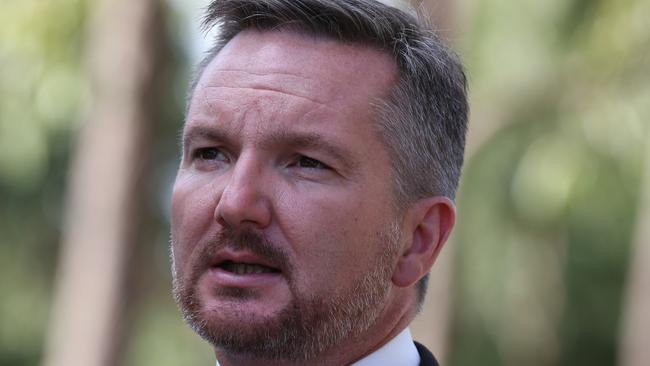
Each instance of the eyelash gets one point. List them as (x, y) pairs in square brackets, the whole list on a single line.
[(311, 163), (200, 153), (318, 164)]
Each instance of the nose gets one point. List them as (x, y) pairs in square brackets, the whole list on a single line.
[(243, 201)]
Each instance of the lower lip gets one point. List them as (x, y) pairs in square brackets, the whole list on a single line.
[(228, 279)]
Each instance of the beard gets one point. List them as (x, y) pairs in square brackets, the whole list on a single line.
[(307, 326)]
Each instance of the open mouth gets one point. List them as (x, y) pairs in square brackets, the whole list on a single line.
[(245, 268)]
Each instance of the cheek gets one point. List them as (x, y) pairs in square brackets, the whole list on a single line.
[(332, 236), (191, 217)]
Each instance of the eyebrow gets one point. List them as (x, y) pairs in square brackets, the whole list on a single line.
[(311, 141), (200, 132), (276, 138)]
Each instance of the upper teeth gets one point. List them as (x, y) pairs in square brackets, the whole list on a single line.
[(245, 268)]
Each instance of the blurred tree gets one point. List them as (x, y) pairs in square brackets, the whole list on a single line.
[(40, 88), (635, 335), (548, 203), (104, 215)]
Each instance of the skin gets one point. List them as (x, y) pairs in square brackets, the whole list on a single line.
[(280, 140)]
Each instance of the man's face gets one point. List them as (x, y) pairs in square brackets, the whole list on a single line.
[(284, 230)]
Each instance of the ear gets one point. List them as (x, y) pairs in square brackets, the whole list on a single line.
[(427, 225)]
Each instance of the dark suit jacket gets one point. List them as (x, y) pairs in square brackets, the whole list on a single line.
[(426, 357)]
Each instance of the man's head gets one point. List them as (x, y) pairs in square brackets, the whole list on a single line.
[(321, 152)]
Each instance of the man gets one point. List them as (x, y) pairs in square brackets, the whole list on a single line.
[(321, 153)]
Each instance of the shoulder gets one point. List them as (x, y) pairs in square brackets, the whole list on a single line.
[(426, 357)]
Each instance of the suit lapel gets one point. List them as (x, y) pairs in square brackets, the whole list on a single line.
[(426, 357)]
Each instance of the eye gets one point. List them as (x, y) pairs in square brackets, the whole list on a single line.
[(310, 163), (209, 154)]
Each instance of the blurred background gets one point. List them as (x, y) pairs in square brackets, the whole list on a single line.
[(549, 263)]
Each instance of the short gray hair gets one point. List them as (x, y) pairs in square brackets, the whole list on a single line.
[(424, 120)]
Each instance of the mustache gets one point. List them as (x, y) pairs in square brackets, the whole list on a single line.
[(245, 240)]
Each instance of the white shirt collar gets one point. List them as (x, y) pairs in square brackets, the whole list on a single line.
[(399, 351)]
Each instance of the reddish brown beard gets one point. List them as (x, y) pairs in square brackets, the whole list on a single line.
[(305, 328)]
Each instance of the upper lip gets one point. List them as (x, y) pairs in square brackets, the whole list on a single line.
[(241, 256)]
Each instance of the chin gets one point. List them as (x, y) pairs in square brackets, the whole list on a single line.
[(236, 328)]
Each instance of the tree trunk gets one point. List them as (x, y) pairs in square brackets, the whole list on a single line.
[(105, 187), (635, 340)]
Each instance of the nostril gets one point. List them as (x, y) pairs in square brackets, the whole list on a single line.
[(243, 207), (220, 220)]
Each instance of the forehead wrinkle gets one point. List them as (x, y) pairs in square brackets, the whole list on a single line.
[(267, 89), (318, 90), (214, 110), (273, 72), (210, 111)]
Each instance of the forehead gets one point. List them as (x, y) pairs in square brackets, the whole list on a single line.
[(316, 68)]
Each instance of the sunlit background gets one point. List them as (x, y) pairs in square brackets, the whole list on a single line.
[(549, 261)]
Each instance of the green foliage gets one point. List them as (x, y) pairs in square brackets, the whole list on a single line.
[(40, 89), (40, 85), (548, 204)]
